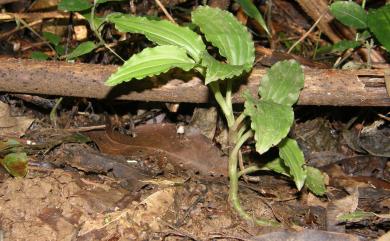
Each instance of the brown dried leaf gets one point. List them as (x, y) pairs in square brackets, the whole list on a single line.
[(193, 151), (12, 126)]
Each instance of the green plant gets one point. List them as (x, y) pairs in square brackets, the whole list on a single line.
[(251, 10), (375, 21), (268, 120), (94, 22), (13, 158)]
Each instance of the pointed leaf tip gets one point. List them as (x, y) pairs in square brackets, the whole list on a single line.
[(293, 157), (161, 32), (150, 62)]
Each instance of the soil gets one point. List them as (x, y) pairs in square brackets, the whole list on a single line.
[(54, 204)]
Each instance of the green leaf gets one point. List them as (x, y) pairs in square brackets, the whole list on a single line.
[(38, 55), (277, 165), (52, 38), (355, 216), (379, 24), (15, 164), (60, 49), (350, 14), (83, 48), (10, 145), (343, 45), (251, 10), (315, 181), (216, 70), (359, 215), (162, 32), (293, 157), (98, 21), (270, 121), (282, 83), (74, 5), (150, 62), (226, 33), (340, 46), (75, 138), (104, 1)]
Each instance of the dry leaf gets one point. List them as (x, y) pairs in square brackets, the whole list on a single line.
[(12, 126)]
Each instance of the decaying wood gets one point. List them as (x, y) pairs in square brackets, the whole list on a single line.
[(315, 11), (322, 86)]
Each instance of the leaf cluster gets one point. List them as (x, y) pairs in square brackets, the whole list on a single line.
[(180, 47), (233, 41), (13, 158), (271, 118), (377, 21)]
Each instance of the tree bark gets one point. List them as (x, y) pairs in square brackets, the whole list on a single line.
[(364, 87)]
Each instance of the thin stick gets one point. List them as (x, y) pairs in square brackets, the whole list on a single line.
[(38, 35), (165, 11), (86, 128), (4, 35), (95, 30), (307, 33), (6, 16)]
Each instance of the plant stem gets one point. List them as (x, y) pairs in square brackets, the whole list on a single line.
[(238, 121), (237, 135), (227, 111), (364, 4), (53, 112), (96, 32), (233, 192), (228, 97), (249, 170)]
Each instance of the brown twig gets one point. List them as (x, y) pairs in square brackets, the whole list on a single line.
[(165, 11), (179, 231), (6, 34), (86, 128), (307, 33)]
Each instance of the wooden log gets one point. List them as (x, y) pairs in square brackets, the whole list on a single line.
[(322, 86)]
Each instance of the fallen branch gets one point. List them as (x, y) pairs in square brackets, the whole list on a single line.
[(322, 86)]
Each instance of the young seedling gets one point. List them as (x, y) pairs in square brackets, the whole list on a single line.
[(267, 119), (373, 21), (95, 24)]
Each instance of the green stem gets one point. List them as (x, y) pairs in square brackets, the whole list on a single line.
[(249, 170), (238, 121), (238, 135), (228, 97), (96, 32), (53, 112), (233, 192), (222, 103)]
